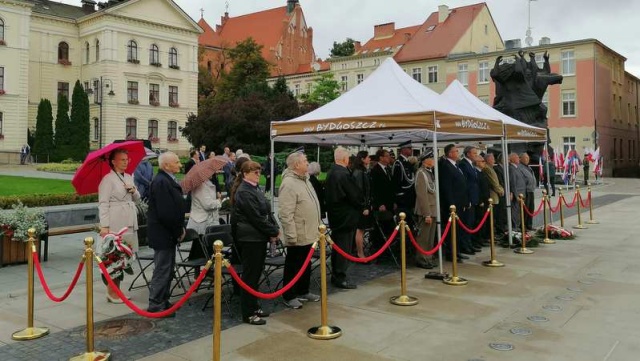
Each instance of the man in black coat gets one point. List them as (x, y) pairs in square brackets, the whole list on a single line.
[(403, 181), (501, 209), (382, 196), (345, 204), (467, 214), (452, 190), (165, 228)]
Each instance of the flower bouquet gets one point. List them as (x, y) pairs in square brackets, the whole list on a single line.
[(117, 255), (555, 232)]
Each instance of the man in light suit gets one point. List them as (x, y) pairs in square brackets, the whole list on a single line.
[(517, 186), (426, 210)]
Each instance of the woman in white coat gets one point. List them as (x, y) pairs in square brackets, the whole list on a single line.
[(205, 204)]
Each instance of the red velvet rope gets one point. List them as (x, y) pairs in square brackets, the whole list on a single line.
[(534, 213), (554, 210), (366, 259), (280, 292), (573, 202), (144, 313), (43, 282), (435, 249), (478, 227), (585, 205)]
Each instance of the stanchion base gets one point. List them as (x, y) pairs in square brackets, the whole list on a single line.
[(436, 275), (492, 263), (548, 241), (403, 300), (523, 251), (593, 221), (455, 281), (92, 356), (324, 332), (30, 333), (580, 226)]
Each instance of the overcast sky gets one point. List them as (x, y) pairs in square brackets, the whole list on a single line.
[(615, 23)]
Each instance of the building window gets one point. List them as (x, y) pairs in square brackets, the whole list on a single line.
[(1, 124), (433, 74), (486, 29), (463, 74), (629, 149), (132, 52), (172, 130), (63, 51), (173, 58), (345, 83), (568, 104), (483, 72), (153, 129), (96, 128), (209, 66), (296, 90), (568, 62), (96, 91), (154, 94), (173, 96), (540, 60), (359, 78), (63, 89), (1, 29), (131, 128), (97, 50), (86, 52), (621, 150), (484, 99), (154, 55), (568, 143), (416, 73), (1, 78), (132, 92), (86, 86)]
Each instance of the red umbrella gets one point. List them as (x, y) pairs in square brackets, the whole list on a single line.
[(96, 165), (202, 172)]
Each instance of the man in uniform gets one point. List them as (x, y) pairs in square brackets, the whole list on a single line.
[(403, 181)]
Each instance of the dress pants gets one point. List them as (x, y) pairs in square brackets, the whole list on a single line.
[(500, 217), (483, 233), (343, 238), (426, 240), (252, 255), (296, 255), (465, 239), (529, 202), (164, 261), (515, 214)]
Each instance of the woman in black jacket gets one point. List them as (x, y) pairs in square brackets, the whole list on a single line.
[(359, 166), (252, 227)]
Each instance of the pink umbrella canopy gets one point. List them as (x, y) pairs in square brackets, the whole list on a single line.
[(96, 165), (202, 172)]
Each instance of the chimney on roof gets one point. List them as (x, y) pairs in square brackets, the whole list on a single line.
[(291, 4), (88, 6), (357, 45), (384, 30), (443, 13), (544, 41), (512, 44)]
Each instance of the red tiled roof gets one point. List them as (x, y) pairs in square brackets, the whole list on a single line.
[(442, 38), (391, 42), (207, 38), (307, 68)]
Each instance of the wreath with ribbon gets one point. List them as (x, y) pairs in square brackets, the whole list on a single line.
[(117, 255)]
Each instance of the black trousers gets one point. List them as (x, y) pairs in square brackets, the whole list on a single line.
[(465, 240), (164, 261), (343, 238), (529, 202), (252, 255), (483, 234), (294, 260), (500, 216)]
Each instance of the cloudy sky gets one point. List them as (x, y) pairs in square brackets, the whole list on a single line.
[(614, 23)]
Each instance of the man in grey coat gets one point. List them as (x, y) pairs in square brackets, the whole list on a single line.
[(517, 186), (530, 181)]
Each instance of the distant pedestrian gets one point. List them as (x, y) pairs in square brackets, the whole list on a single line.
[(24, 153), (142, 178)]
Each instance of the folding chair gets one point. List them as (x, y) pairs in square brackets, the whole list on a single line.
[(273, 264), (196, 259), (148, 257), (223, 233)]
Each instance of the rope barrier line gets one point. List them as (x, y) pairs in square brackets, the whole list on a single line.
[(160, 314), (573, 202), (554, 210), (45, 286), (366, 259), (585, 205), (280, 292), (437, 247), (478, 227), (534, 214)]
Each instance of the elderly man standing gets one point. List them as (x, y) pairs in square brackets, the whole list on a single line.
[(345, 203), (496, 191), (299, 213), (165, 228), (517, 186), (530, 187), (426, 210)]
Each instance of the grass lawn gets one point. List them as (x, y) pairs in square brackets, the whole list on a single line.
[(12, 185)]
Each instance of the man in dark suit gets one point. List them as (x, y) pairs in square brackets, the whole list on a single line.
[(382, 196), (467, 215), (403, 181), (165, 228), (193, 160), (501, 208), (202, 153), (452, 190), (344, 204), (517, 186), (530, 186)]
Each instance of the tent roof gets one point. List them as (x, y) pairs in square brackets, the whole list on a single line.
[(387, 107), (515, 130)]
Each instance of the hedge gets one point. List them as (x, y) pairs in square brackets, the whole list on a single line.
[(45, 200)]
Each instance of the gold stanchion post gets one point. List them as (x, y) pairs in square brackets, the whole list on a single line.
[(523, 230), (91, 354), (324, 331), (454, 280), (545, 199), (492, 262), (591, 220), (579, 225), (217, 299), (561, 198), (403, 299), (30, 333)]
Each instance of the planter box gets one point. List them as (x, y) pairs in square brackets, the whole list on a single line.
[(14, 252)]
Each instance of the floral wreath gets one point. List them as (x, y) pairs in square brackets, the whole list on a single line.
[(117, 255)]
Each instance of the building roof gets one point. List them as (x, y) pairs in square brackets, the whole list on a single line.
[(53, 8), (207, 38), (389, 43), (436, 40)]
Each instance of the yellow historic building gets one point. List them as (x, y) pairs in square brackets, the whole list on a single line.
[(137, 59)]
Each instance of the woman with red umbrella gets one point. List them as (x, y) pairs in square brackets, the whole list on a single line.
[(116, 196)]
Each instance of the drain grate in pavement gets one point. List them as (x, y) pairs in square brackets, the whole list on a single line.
[(574, 289), (521, 331), (501, 346), (587, 281), (565, 298), (594, 274), (537, 319), (122, 328), (552, 308)]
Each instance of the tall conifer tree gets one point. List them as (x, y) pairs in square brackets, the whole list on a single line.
[(43, 144)]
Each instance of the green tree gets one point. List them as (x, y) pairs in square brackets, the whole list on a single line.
[(63, 137), (325, 89), (248, 74), (80, 125), (43, 144), (345, 48)]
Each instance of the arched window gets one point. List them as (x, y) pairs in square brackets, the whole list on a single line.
[(172, 131), (96, 128), (154, 55), (97, 50), (132, 128), (86, 52), (132, 51), (173, 58), (63, 51), (153, 130), (1, 30)]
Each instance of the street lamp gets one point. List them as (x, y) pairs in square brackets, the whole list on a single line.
[(98, 99)]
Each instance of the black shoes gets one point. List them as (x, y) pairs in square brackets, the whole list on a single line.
[(260, 313), (344, 285), (425, 265), (255, 320)]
